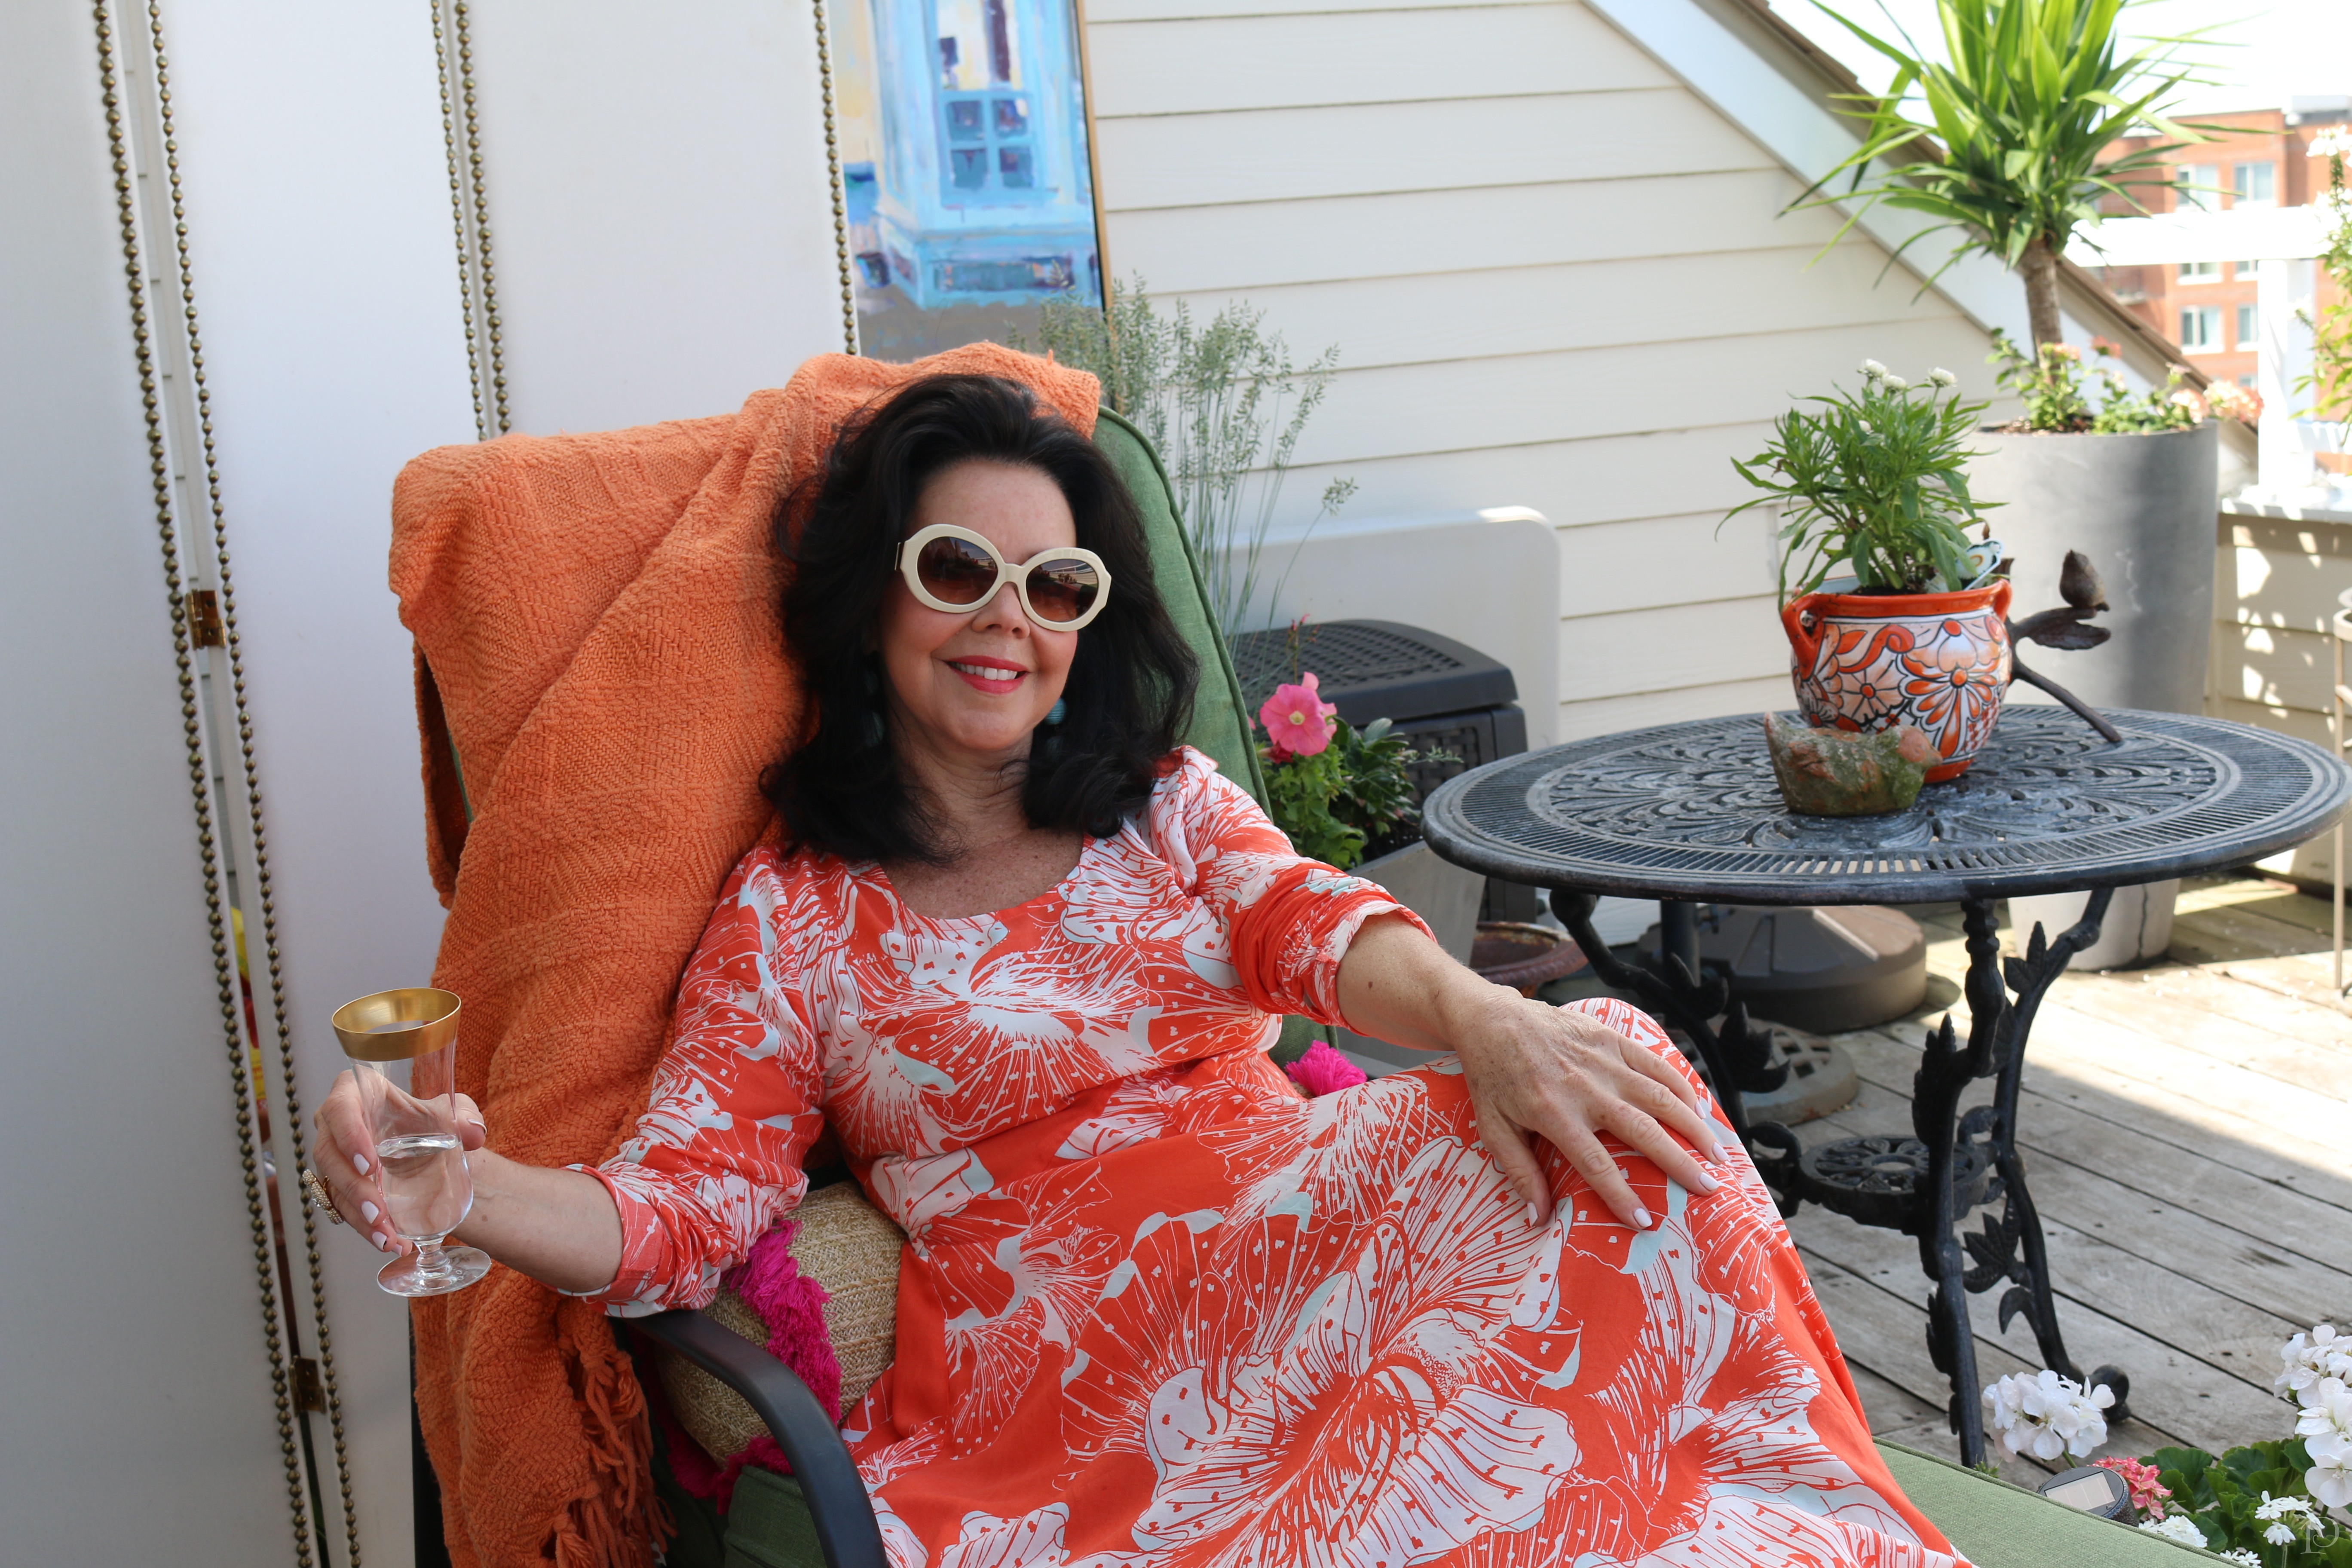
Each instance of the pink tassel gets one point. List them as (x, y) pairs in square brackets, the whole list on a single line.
[(1323, 1071)]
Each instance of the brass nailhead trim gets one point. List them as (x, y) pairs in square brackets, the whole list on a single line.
[(477, 274), (840, 198), (224, 965)]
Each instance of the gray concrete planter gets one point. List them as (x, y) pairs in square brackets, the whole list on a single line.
[(2142, 508), (1440, 893)]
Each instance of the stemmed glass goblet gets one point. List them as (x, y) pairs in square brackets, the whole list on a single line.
[(402, 1046)]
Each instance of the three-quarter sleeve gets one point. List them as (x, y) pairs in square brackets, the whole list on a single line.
[(735, 1103), (1286, 921)]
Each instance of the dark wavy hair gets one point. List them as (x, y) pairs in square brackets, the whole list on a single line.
[(841, 788)]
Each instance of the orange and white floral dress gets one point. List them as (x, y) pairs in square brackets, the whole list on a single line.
[(1155, 1309)]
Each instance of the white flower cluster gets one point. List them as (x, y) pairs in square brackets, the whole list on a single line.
[(1879, 375), (2047, 1414), (2316, 1373), (2333, 143), (2176, 1527), (2288, 1517), (2242, 1557)]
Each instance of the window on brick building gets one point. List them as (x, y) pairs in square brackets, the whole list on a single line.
[(2250, 326), (2196, 185), (2200, 272), (2201, 328), (2255, 184)]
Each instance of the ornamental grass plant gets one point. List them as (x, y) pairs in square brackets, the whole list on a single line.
[(1224, 404), (1874, 480)]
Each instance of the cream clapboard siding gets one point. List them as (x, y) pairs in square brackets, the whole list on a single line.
[(2275, 587), (1556, 279)]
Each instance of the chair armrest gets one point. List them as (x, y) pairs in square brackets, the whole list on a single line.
[(843, 1513)]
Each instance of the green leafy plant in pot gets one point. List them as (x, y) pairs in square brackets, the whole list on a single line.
[(1914, 630)]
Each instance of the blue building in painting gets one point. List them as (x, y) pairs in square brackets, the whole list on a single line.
[(983, 195)]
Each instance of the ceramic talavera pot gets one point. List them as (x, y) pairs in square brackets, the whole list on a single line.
[(1871, 661)]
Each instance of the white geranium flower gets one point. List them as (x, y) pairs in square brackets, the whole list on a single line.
[(2279, 1535), (2281, 1508), (2330, 1476), (2242, 1557), (2177, 1527), (1893, 384), (1943, 377), (1872, 370), (2046, 1414), (2308, 1358), (2326, 1408)]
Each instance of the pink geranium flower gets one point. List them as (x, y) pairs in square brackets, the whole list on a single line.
[(1296, 721), (2147, 1489)]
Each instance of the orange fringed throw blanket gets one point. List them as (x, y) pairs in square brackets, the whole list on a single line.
[(596, 624)]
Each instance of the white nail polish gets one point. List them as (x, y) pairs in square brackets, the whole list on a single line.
[(384, 1243), (359, 1163), (1534, 1216), (367, 1212), (1707, 1184), (1641, 1220)]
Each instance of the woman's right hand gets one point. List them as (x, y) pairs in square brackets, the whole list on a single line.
[(345, 1160)]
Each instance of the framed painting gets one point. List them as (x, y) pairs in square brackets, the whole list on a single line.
[(967, 167)]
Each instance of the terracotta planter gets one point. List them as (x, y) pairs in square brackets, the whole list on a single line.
[(1871, 661)]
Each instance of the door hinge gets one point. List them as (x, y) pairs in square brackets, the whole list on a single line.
[(204, 619), (309, 1392)]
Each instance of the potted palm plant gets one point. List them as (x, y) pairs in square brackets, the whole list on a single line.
[(1895, 615), (2015, 153)]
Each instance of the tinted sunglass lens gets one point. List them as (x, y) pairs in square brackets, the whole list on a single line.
[(1062, 591), (956, 570)]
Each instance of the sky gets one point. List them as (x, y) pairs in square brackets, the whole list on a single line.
[(2270, 50)]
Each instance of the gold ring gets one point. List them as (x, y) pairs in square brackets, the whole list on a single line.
[(316, 1186)]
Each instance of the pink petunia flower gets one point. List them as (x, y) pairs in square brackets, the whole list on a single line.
[(1296, 721)]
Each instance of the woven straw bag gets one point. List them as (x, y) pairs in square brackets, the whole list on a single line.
[(846, 1244)]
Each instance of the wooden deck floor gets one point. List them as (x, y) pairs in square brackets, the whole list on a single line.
[(2189, 1138)]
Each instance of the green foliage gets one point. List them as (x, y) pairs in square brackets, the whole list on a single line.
[(2329, 380), (1874, 479), (2223, 1497), (1353, 794), (2026, 112), (1299, 795), (1223, 406), (2052, 386)]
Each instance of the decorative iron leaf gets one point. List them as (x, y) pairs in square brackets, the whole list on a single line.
[(2015, 1300), (2071, 635)]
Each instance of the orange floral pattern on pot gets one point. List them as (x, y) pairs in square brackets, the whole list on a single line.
[(1871, 661)]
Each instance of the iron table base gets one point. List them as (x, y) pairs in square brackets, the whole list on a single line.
[(1926, 1185)]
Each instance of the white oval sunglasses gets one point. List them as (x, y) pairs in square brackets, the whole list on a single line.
[(955, 569)]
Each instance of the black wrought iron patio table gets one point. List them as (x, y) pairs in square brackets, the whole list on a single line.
[(1688, 813)]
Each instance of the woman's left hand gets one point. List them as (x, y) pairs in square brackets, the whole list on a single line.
[(1533, 1069), (1565, 1076)]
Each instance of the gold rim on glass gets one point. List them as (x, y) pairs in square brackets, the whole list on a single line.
[(397, 1025)]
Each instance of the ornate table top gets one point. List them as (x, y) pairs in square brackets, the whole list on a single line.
[(1690, 812)]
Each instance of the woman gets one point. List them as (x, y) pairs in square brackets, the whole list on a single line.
[(1024, 952)]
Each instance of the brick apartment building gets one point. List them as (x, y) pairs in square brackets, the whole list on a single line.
[(2207, 308)]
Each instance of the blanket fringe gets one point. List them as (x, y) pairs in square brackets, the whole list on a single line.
[(616, 1522)]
